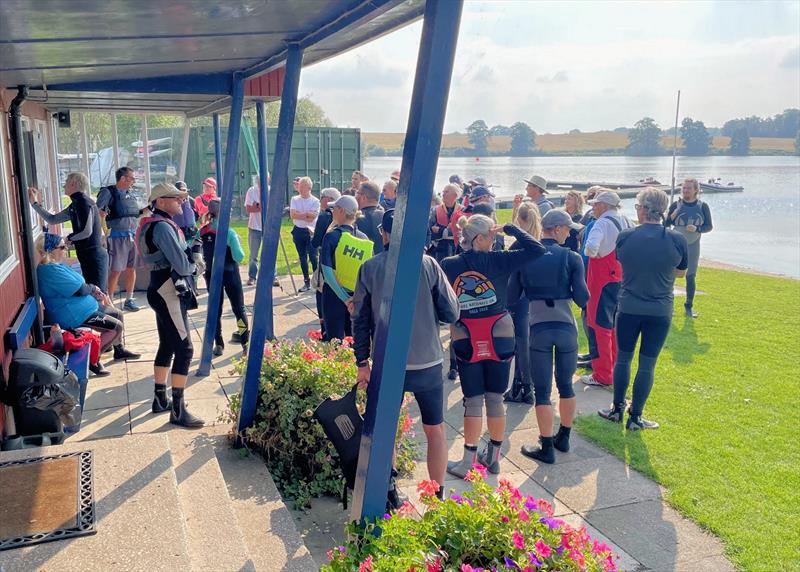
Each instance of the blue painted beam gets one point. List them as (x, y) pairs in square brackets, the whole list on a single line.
[(263, 329), (217, 149), (393, 325), (221, 244), (207, 84), (263, 164)]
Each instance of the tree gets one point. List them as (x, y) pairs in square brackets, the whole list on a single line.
[(740, 142), (644, 138), (308, 114), (523, 139), (696, 139), (499, 130), (478, 134)]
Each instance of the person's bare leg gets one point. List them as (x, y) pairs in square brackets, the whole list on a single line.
[(160, 375), (178, 381), (113, 280), (544, 418), (130, 282), (497, 427), (437, 451), (472, 430), (566, 410)]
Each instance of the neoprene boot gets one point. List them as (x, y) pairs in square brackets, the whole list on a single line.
[(561, 440), (490, 458), (99, 370), (122, 353), (461, 468), (545, 453), (161, 402), (392, 496), (179, 415)]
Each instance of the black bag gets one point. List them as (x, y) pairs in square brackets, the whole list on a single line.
[(342, 423)]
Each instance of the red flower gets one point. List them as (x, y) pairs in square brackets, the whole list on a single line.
[(366, 566), (314, 334), (406, 509), (267, 351), (348, 340), (407, 423), (480, 469), (428, 488), (310, 356), (435, 566)]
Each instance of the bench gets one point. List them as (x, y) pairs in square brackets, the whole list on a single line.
[(77, 361)]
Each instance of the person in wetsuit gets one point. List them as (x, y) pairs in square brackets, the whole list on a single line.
[(231, 279), (483, 338), (651, 257), (550, 284), (691, 217), (87, 231), (443, 223), (164, 251)]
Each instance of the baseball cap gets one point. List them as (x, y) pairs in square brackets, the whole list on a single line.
[(455, 179), (331, 193), (483, 208), (537, 181), (395, 176), (165, 190), (608, 197), (348, 203), (181, 186), (479, 181), (478, 192), (558, 217), (387, 221), (211, 182), (213, 207)]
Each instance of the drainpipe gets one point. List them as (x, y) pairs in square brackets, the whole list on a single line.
[(28, 252)]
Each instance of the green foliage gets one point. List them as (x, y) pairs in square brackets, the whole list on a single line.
[(783, 124), (740, 142), (296, 376), (726, 397), (644, 139), (478, 134), (480, 530), (523, 139), (696, 139), (500, 130)]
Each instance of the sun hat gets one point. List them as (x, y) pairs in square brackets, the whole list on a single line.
[(537, 181), (348, 203), (558, 217), (608, 197), (210, 182), (165, 190)]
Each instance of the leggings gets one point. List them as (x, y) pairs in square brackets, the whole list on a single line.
[(522, 366), (108, 321), (232, 283), (337, 318), (590, 337), (94, 266), (691, 272), (653, 331), (302, 242), (172, 321), (547, 339), (487, 376)]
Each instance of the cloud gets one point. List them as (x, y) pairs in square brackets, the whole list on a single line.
[(791, 59), (559, 77)]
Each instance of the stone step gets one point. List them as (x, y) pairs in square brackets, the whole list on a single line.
[(213, 536), (138, 513), (268, 528)]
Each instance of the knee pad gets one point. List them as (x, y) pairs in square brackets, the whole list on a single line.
[(624, 357), (494, 405), (473, 406)]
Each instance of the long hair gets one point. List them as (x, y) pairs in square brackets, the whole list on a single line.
[(529, 219), (578, 201)]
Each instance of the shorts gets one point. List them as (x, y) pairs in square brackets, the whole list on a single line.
[(122, 253), (428, 389)]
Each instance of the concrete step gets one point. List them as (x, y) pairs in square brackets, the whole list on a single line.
[(138, 513), (214, 538)]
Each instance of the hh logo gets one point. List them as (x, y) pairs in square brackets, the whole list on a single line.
[(345, 426), (353, 252)]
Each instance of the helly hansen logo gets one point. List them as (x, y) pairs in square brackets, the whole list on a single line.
[(353, 252), (345, 426)]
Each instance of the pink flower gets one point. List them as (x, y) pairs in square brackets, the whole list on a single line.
[(406, 509), (435, 566), (329, 554), (599, 548), (578, 557), (505, 485), (543, 549), (523, 516), (267, 351), (366, 566), (314, 334), (481, 470), (428, 488), (519, 540), (468, 568), (348, 340), (406, 423), (504, 519), (544, 507), (609, 565)]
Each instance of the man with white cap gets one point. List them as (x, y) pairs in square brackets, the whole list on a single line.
[(603, 279), (536, 191), (344, 249)]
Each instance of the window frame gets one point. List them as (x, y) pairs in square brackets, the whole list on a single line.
[(11, 262)]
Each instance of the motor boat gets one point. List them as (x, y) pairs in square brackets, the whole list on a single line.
[(717, 186)]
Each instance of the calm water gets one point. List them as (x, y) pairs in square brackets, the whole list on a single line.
[(759, 228)]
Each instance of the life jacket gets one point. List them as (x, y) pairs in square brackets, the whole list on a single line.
[(547, 277), (144, 239), (689, 214), (452, 222), (350, 254), (123, 204), (603, 280)]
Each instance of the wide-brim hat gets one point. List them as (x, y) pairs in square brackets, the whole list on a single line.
[(538, 181), (164, 191)]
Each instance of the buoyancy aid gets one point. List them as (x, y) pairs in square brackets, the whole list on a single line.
[(144, 239), (123, 204), (547, 278), (351, 252), (452, 221), (485, 338), (602, 279)]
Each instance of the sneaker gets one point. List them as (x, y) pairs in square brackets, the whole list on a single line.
[(306, 287), (236, 338), (452, 375), (591, 381), (122, 353), (98, 370), (219, 350), (131, 305), (585, 365), (612, 414), (689, 312), (639, 423), (251, 281)]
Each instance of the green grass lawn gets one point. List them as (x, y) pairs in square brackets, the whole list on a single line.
[(240, 226), (726, 395)]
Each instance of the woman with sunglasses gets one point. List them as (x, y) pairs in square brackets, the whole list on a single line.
[(483, 338), (72, 303)]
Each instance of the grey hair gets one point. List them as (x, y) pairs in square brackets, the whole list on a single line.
[(472, 227), (81, 180), (654, 202), (390, 183)]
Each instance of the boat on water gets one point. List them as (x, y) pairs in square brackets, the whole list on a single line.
[(716, 185)]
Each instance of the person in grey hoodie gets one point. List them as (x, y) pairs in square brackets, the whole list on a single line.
[(436, 303)]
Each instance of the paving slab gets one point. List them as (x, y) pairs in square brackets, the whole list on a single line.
[(143, 420), (103, 423), (624, 560)]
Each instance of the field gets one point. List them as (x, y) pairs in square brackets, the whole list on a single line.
[(578, 142)]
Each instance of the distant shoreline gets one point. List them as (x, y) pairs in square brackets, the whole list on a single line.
[(715, 264)]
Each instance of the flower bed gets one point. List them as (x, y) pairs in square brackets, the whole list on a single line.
[(296, 376), (483, 529)]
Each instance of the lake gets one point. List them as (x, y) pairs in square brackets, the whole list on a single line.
[(758, 229)]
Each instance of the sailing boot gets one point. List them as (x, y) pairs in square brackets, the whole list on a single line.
[(561, 440), (461, 468), (161, 402), (490, 458), (545, 452), (179, 415)]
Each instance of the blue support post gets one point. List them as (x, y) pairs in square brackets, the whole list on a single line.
[(217, 149), (393, 327), (223, 224), (263, 164), (263, 329)]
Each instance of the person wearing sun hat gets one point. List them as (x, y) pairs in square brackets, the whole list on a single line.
[(209, 193), (536, 190), (163, 249)]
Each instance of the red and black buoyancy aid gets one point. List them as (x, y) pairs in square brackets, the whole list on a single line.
[(443, 220), (603, 280), (145, 226)]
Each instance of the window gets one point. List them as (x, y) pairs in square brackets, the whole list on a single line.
[(8, 258), (37, 168)]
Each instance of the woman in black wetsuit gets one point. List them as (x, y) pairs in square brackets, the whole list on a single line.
[(483, 338)]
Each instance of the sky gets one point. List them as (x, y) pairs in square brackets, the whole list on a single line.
[(580, 65)]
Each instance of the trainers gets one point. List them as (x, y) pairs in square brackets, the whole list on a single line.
[(306, 287), (639, 423), (584, 357), (131, 305), (612, 414), (98, 370), (219, 350), (689, 312), (122, 353), (452, 375), (590, 380)]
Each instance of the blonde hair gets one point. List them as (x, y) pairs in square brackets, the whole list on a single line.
[(595, 190), (473, 227), (529, 219), (81, 180), (44, 256), (306, 181), (578, 201)]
